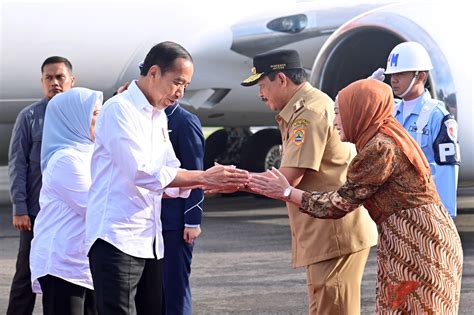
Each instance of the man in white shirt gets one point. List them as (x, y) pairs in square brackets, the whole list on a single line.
[(133, 165)]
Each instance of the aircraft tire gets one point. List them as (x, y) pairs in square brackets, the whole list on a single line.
[(261, 145), (215, 146)]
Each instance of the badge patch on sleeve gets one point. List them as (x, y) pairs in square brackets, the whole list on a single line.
[(298, 136), (452, 129), (446, 145)]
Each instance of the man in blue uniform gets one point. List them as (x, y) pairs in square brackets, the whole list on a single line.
[(181, 218), (426, 119)]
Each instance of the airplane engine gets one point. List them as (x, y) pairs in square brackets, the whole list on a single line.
[(363, 44)]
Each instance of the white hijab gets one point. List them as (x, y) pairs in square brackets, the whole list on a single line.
[(67, 122)]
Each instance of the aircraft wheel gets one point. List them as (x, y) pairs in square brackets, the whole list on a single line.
[(262, 151), (215, 146), (273, 157)]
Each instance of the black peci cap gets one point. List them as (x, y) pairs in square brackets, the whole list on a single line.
[(276, 60)]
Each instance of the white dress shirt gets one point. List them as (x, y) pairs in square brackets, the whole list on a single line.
[(132, 163), (58, 247)]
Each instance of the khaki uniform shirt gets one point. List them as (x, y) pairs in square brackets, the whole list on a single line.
[(310, 141)]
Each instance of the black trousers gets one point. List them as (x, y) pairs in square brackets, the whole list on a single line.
[(125, 284), (22, 298), (61, 297)]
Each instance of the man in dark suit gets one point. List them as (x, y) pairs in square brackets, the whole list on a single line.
[(181, 218)]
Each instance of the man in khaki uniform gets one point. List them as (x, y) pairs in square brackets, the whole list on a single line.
[(334, 252)]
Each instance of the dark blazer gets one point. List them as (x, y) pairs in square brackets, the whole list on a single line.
[(188, 143)]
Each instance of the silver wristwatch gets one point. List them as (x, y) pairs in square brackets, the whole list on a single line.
[(287, 192)]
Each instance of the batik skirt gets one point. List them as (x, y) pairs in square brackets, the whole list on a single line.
[(419, 259)]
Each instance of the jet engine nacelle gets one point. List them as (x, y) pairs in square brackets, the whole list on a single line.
[(363, 44)]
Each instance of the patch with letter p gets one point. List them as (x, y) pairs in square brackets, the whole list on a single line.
[(446, 146)]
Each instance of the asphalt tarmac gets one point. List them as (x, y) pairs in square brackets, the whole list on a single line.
[(241, 262)]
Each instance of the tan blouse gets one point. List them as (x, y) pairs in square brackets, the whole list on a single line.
[(381, 178)]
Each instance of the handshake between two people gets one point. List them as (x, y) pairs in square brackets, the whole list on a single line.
[(230, 179)]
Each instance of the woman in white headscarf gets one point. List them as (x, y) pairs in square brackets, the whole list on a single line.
[(59, 263)]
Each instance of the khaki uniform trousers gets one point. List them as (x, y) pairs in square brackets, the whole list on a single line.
[(334, 284)]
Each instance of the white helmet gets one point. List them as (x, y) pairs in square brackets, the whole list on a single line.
[(408, 56)]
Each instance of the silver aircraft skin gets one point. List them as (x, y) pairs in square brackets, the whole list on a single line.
[(338, 44)]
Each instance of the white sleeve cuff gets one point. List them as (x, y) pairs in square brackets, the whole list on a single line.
[(176, 192), (166, 175), (192, 225)]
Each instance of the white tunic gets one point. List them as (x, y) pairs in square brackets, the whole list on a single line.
[(58, 248)]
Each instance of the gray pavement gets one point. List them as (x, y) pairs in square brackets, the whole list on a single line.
[(242, 260)]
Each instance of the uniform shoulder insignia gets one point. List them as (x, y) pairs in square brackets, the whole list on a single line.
[(299, 105), (426, 108), (300, 122)]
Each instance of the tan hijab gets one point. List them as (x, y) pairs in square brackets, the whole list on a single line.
[(366, 108)]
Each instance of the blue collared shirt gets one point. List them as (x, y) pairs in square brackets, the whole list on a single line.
[(24, 159), (445, 175)]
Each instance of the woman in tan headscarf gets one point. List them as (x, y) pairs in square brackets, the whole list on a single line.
[(419, 254)]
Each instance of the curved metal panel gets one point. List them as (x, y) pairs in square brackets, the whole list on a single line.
[(441, 80)]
